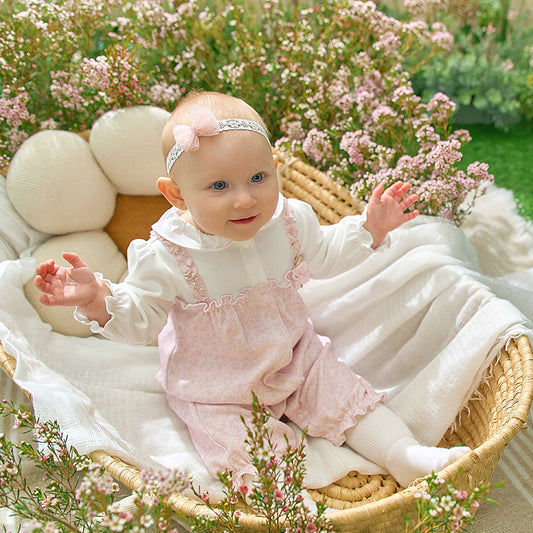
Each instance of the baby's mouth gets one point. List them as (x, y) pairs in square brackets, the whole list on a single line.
[(247, 220)]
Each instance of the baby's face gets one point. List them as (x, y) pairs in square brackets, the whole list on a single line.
[(229, 185)]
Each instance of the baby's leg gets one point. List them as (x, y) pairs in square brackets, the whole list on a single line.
[(382, 437)]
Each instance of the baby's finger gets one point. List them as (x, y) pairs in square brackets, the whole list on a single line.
[(47, 299), (39, 282), (46, 267), (377, 193), (411, 214), (42, 284), (395, 188), (409, 201), (74, 259), (403, 189)]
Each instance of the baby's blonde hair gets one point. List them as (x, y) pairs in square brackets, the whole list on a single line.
[(222, 105)]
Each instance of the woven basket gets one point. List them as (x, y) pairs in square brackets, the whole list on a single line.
[(375, 503)]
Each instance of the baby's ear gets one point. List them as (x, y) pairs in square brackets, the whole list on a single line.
[(275, 158), (171, 192)]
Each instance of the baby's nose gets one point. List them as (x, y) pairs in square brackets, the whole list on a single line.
[(244, 199)]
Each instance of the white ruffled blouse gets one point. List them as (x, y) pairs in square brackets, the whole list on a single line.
[(140, 304)]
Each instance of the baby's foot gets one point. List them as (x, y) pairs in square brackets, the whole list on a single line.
[(409, 460)]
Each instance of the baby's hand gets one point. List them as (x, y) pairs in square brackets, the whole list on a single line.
[(76, 286), (386, 210)]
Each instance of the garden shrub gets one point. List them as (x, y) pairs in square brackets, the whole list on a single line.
[(332, 80)]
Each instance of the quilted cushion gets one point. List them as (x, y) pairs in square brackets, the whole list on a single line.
[(56, 185), (127, 145)]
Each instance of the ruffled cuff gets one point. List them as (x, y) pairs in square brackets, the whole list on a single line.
[(110, 303)]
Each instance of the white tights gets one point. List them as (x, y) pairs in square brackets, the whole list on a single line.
[(382, 437)]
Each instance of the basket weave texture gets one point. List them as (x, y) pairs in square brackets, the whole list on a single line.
[(375, 503)]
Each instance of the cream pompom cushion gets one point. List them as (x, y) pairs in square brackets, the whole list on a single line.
[(98, 250), (63, 185), (57, 186), (127, 145)]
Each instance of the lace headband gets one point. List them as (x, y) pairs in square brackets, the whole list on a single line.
[(205, 124)]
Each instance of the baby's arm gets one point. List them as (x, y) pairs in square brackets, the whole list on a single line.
[(74, 286), (386, 210)]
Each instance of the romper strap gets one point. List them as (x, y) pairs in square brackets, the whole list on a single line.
[(187, 266), (289, 222)]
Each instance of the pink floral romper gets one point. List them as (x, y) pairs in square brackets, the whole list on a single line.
[(214, 353)]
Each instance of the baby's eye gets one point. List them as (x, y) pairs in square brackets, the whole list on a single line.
[(219, 185), (257, 178)]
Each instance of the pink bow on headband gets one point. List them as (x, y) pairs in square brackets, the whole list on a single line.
[(204, 124)]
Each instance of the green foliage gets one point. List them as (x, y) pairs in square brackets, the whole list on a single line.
[(472, 79), (489, 65)]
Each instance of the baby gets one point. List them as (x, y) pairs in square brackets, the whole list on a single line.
[(217, 284)]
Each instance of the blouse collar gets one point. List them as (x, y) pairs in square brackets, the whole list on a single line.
[(172, 227)]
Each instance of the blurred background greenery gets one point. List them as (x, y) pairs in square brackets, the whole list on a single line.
[(510, 157)]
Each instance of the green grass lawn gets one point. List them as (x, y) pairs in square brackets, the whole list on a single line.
[(510, 158)]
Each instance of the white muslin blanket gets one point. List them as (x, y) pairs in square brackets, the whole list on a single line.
[(421, 321)]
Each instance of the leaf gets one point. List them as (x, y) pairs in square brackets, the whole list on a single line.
[(480, 102), (494, 96), (465, 98)]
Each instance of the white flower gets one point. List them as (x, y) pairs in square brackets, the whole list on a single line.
[(146, 521)]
